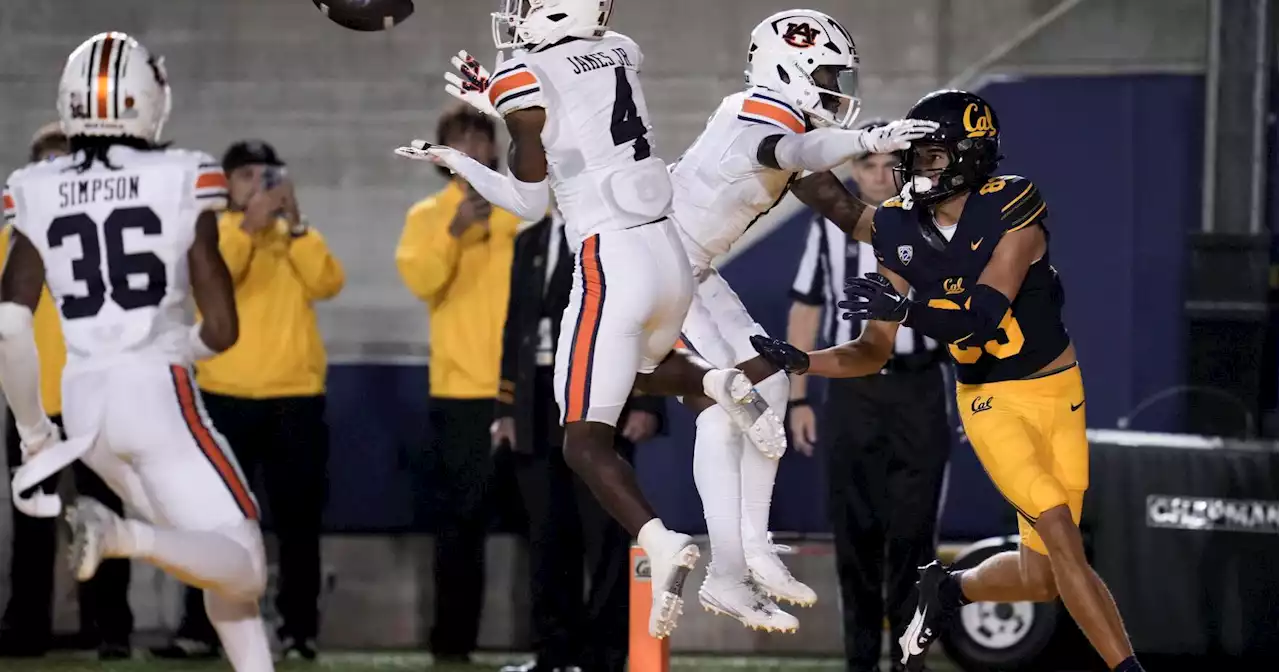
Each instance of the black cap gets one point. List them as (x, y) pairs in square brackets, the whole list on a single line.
[(248, 153)]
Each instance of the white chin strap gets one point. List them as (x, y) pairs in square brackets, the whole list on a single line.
[(40, 467)]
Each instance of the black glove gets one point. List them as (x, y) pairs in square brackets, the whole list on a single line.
[(873, 298), (781, 354)]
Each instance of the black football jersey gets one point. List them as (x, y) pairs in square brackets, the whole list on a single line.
[(942, 273)]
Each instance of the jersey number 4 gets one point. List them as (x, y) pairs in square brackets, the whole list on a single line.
[(120, 265), (627, 124)]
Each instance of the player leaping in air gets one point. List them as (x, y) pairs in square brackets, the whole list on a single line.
[(975, 248), (577, 117), (124, 231), (793, 118)]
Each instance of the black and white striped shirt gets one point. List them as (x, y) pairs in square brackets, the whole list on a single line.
[(830, 256)]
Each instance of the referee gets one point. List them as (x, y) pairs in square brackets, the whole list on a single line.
[(886, 437)]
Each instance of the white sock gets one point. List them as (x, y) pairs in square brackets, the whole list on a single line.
[(241, 630), (711, 383), (715, 471), (759, 472), (229, 561)]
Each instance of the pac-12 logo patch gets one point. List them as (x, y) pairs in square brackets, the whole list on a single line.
[(905, 252)]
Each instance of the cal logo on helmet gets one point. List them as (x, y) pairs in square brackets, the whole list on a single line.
[(979, 124), (969, 130)]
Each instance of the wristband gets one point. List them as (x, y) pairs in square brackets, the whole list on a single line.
[(796, 403)]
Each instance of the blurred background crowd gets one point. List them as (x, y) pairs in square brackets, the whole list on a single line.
[(390, 395)]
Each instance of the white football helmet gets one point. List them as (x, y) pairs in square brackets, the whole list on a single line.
[(810, 60), (525, 22), (113, 86)]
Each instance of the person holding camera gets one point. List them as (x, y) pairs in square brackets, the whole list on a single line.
[(455, 255), (266, 394)]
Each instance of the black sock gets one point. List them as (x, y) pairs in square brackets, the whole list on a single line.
[(950, 593), (1129, 664)]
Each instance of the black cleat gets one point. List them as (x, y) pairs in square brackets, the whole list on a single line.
[(15, 644), (929, 618), (534, 666), (187, 648), (298, 648), (109, 651)]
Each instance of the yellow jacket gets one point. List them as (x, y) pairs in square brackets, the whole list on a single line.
[(277, 277), (465, 282), (49, 343)]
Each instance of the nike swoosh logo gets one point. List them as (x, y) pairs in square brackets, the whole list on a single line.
[(910, 640), (1076, 407), (975, 244)]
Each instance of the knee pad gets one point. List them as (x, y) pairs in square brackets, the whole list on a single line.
[(248, 535), (15, 320)]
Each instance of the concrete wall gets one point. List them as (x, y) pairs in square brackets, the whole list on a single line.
[(336, 103)]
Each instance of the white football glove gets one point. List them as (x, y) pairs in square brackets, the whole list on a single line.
[(896, 135), (43, 437), (38, 464), (421, 150), (470, 83)]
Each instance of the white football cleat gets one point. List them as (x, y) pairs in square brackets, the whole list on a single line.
[(773, 577), (733, 391), (741, 600), (93, 527), (668, 570)]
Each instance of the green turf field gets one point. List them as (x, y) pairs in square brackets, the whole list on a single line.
[(380, 662)]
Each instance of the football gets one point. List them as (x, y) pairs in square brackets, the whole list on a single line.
[(365, 15)]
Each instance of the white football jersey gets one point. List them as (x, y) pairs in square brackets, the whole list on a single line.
[(720, 186), (114, 244), (603, 163)]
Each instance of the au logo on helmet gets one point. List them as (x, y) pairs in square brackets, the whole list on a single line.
[(982, 126), (800, 35)]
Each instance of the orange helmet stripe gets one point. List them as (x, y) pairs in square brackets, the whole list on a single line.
[(104, 79)]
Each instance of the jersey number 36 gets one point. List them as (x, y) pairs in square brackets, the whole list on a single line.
[(119, 264)]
